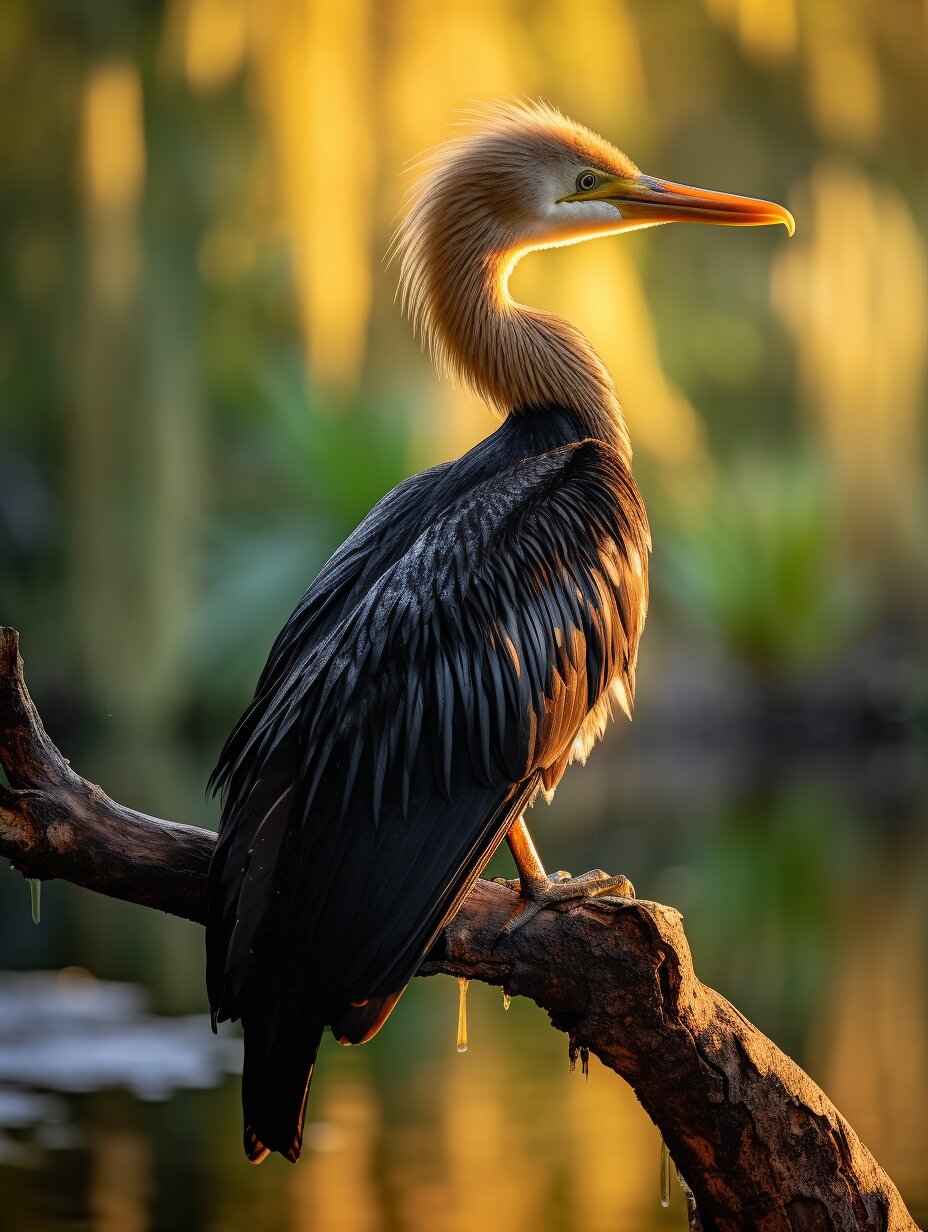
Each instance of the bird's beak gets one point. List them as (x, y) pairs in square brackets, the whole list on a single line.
[(643, 199)]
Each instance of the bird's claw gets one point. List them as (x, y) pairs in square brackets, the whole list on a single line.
[(509, 883), (561, 890)]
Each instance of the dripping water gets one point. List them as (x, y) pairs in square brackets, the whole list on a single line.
[(665, 1175), (35, 898), (507, 1000), (462, 1014)]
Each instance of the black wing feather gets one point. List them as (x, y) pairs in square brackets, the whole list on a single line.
[(415, 724)]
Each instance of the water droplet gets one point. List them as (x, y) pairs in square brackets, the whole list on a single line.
[(665, 1175), (507, 1000), (462, 1014), (572, 1051), (585, 1062), (35, 898)]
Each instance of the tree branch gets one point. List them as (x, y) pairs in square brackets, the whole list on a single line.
[(756, 1141)]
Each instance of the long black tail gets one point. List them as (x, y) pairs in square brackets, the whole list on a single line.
[(275, 1085)]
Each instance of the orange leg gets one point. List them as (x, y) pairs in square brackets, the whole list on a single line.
[(527, 860)]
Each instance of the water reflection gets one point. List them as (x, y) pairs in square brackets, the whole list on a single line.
[(120, 1183), (70, 1032)]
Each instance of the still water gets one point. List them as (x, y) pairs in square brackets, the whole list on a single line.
[(804, 883)]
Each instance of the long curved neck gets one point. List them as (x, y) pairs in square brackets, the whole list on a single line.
[(515, 357)]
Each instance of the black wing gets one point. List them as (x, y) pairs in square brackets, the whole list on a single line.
[(390, 758)]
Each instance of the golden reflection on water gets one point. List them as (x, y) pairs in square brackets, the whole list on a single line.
[(333, 1187), (613, 1157), (120, 1182), (478, 1138), (481, 1140), (878, 1011)]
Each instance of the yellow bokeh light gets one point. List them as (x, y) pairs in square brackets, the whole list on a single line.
[(853, 291), (214, 42), (842, 75), (113, 137), (766, 29), (313, 71), (599, 287)]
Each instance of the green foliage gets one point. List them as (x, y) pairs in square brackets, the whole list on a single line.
[(306, 474), (760, 570), (768, 867)]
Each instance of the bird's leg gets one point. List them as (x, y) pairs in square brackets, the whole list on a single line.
[(537, 889), (533, 880)]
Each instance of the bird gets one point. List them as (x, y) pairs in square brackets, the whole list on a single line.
[(465, 643)]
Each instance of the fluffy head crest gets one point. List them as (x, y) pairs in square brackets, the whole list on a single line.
[(488, 188)]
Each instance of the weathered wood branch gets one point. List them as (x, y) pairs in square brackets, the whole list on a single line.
[(759, 1145)]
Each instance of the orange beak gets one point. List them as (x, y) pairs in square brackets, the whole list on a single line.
[(643, 199)]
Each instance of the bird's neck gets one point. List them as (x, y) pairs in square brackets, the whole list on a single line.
[(519, 359)]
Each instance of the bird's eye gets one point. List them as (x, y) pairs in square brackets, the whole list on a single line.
[(586, 181)]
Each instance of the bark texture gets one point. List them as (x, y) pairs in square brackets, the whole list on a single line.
[(756, 1141)]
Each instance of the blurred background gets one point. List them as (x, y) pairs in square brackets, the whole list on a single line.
[(205, 384)]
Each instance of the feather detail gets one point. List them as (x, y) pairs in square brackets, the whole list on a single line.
[(451, 659), (255, 889)]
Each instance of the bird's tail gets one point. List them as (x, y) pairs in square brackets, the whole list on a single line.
[(275, 1086)]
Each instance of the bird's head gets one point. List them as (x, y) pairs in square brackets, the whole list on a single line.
[(518, 177), (522, 176)]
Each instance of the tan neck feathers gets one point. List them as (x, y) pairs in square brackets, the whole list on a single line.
[(456, 254)]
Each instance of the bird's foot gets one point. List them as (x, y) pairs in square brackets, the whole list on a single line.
[(560, 890), (553, 878)]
